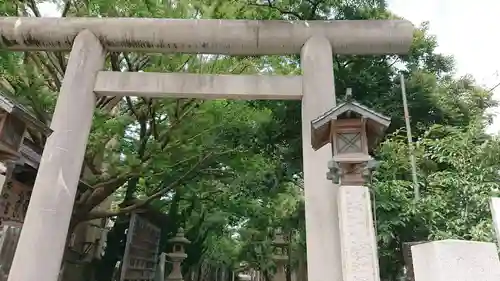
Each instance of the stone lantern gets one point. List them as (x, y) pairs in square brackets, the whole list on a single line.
[(280, 256), (353, 130), (177, 255)]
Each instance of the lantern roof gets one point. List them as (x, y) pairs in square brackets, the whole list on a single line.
[(320, 127), (179, 238), (19, 111)]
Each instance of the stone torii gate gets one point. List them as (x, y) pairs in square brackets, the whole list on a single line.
[(41, 245)]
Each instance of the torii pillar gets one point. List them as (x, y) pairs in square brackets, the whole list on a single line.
[(322, 221), (41, 245), (43, 237)]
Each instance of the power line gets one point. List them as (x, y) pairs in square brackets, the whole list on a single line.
[(494, 87)]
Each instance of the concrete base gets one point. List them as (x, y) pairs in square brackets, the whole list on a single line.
[(357, 235), (455, 260)]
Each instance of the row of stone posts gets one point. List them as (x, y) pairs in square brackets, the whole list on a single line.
[(178, 255)]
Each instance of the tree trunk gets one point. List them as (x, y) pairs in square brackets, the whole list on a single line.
[(115, 247)]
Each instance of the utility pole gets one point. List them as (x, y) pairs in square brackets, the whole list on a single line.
[(416, 189)]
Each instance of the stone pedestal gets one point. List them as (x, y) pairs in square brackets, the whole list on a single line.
[(455, 260), (357, 239)]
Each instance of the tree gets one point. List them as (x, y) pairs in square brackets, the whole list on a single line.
[(458, 173)]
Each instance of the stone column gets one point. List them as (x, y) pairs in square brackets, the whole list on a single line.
[(322, 224), (43, 237), (358, 241), (160, 269)]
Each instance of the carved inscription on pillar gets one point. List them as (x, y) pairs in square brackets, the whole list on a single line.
[(14, 202), (359, 248)]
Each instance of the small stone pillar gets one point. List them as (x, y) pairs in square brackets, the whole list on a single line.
[(177, 255), (280, 256), (352, 130), (408, 259)]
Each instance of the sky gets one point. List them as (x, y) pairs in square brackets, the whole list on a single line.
[(462, 30)]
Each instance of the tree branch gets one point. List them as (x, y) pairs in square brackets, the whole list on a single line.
[(143, 202), (67, 6), (34, 8), (185, 109), (132, 109), (140, 63), (102, 191), (284, 12), (42, 64)]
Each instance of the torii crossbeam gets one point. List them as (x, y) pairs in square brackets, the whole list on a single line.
[(41, 245)]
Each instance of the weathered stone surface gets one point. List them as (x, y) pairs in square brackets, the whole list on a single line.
[(209, 36), (42, 242), (323, 248), (455, 260), (357, 235), (199, 86)]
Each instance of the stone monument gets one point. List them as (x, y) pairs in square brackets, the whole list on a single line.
[(456, 260), (43, 238), (353, 130)]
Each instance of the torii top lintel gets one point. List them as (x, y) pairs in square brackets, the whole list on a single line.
[(232, 37)]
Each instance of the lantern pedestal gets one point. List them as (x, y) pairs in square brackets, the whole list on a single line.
[(176, 273)]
